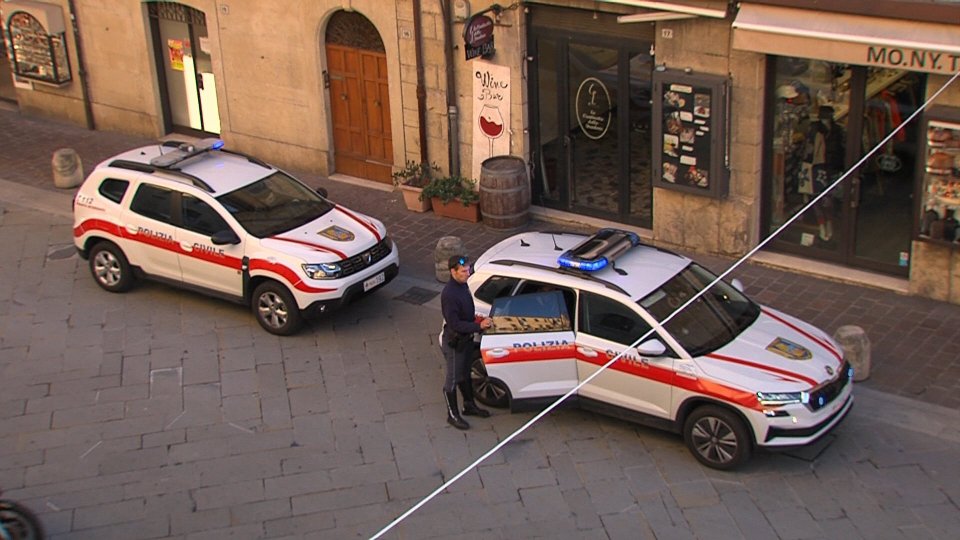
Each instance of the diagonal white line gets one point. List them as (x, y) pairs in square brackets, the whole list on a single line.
[(732, 267)]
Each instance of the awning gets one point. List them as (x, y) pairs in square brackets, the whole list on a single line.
[(49, 16), (849, 39)]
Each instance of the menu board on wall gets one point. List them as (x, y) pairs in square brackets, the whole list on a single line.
[(690, 152), (37, 55)]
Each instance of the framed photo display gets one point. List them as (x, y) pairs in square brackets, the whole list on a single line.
[(690, 148)]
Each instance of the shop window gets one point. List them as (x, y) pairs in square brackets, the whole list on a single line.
[(38, 53)]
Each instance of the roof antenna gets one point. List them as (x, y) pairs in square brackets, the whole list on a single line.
[(555, 246), (523, 243), (621, 271)]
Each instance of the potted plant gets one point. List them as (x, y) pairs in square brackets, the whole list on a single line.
[(453, 196), (411, 180)]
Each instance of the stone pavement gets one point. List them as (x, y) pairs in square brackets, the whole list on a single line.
[(162, 414), (914, 341)]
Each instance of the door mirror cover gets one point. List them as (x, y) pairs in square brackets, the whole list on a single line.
[(652, 347), (224, 237)]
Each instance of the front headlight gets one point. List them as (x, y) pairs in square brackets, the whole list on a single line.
[(782, 398), (322, 270)]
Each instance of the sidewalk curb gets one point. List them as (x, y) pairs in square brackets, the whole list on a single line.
[(934, 420), (43, 200)]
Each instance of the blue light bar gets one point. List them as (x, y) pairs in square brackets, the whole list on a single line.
[(598, 251), (218, 144), (568, 261)]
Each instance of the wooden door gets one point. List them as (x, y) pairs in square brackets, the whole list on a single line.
[(360, 109)]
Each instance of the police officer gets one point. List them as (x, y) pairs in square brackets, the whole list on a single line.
[(460, 323)]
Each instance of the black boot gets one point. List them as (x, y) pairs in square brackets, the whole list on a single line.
[(453, 412), (469, 406)]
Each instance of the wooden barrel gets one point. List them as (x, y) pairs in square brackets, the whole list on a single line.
[(504, 192)]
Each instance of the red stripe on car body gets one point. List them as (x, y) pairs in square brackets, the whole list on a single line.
[(369, 227), (808, 335), (794, 376), (319, 247), (286, 273)]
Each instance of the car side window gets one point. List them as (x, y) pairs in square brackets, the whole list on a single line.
[(608, 319), (496, 287), (152, 202), (200, 217), (530, 313), (113, 189), (569, 296)]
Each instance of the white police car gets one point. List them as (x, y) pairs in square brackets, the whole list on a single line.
[(727, 373), (227, 224)]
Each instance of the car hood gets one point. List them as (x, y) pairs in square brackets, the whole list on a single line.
[(334, 236), (776, 353)]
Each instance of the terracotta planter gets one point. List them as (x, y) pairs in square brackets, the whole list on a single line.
[(411, 197), (456, 210)]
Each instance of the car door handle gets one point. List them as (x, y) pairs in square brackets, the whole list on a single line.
[(132, 229), (498, 353), (587, 352), (186, 246)]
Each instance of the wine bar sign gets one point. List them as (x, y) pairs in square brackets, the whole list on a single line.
[(491, 113), (478, 37)]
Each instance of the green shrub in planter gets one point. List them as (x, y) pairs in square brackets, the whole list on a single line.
[(449, 188)]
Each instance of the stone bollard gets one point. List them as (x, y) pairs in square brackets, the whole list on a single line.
[(447, 247), (67, 169), (856, 349)]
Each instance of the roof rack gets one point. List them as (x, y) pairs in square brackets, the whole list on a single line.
[(599, 250), (145, 168), (185, 151), (562, 270)]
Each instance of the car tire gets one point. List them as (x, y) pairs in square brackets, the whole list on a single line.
[(717, 437), (275, 309), (19, 522), (488, 391), (109, 267)]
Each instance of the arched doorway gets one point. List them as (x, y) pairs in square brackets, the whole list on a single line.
[(359, 98), (187, 86)]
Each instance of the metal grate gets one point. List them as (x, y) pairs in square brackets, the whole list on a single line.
[(172, 11), (352, 29), (366, 258), (829, 392), (417, 295)]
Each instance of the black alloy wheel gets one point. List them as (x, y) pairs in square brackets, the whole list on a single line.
[(488, 391), (717, 438)]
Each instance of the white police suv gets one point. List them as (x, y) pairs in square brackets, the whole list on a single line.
[(727, 373), (227, 224)]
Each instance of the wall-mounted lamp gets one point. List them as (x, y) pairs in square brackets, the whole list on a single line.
[(661, 67), (688, 70)]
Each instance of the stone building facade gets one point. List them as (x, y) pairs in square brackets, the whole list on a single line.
[(704, 124)]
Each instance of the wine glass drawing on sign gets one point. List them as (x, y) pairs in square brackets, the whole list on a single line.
[(491, 124)]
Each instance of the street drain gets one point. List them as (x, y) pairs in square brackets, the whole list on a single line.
[(416, 295)]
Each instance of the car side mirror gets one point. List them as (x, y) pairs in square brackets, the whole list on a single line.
[(737, 284), (224, 237), (652, 347), (322, 191)]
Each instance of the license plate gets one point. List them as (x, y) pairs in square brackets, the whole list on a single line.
[(373, 282)]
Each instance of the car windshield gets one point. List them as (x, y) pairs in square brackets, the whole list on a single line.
[(710, 322), (274, 204)]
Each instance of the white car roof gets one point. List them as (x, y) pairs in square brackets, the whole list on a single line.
[(646, 267), (221, 171)]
